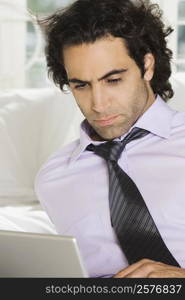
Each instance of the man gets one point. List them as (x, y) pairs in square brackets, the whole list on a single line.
[(114, 58)]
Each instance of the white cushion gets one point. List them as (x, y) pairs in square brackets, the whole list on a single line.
[(33, 124)]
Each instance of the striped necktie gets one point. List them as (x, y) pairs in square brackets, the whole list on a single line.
[(133, 224)]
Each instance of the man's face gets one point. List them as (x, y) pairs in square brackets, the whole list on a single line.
[(107, 85)]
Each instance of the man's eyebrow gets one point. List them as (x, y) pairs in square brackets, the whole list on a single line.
[(75, 80), (113, 72)]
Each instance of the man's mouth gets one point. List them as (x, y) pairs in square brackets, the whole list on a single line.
[(107, 121)]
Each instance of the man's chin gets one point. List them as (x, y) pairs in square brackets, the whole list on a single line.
[(105, 135)]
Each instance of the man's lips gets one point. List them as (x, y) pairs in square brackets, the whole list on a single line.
[(107, 121)]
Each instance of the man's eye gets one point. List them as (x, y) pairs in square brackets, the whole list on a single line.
[(112, 81), (80, 86)]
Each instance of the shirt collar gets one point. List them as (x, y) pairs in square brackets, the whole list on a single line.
[(157, 119)]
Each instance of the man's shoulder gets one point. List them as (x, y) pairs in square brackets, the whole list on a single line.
[(177, 127), (65, 152), (59, 159), (179, 119)]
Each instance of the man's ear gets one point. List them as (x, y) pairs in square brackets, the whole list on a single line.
[(149, 65)]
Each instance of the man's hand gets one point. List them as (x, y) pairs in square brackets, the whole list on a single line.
[(147, 268)]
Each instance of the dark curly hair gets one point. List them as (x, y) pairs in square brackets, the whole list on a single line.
[(139, 23)]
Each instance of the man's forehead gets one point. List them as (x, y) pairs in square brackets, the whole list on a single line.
[(98, 58)]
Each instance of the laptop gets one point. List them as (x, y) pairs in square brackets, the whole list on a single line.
[(25, 254)]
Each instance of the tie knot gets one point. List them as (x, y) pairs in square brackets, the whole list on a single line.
[(112, 150), (109, 150)]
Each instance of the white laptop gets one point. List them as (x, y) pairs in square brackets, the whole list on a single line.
[(24, 254)]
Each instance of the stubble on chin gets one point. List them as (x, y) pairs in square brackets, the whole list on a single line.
[(111, 132)]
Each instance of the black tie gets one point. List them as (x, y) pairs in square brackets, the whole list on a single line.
[(134, 226)]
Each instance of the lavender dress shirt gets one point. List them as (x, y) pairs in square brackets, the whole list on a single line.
[(72, 187)]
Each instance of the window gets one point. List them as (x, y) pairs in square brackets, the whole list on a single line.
[(181, 36), (22, 58), (12, 41), (174, 15), (36, 75)]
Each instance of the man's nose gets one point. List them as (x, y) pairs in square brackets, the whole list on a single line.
[(99, 100)]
